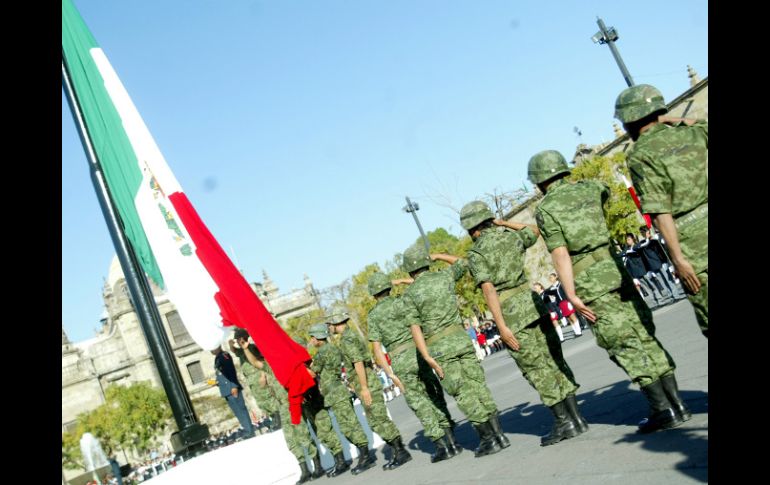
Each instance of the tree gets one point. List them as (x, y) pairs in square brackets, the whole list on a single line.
[(620, 210), (132, 417), (297, 327)]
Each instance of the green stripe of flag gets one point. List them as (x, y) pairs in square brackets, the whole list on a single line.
[(105, 130)]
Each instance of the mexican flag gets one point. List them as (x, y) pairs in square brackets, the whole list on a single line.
[(174, 247)]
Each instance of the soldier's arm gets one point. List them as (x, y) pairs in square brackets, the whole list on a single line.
[(422, 347), (667, 227), (493, 302), (249, 355), (517, 226), (444, 257), (379, 357), (366, 396), (563, 265), (402, 281)]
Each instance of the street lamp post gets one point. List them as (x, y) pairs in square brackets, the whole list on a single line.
[(413, 208), (609, 36)]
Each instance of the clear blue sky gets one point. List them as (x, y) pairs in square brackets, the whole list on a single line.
[(296, 128)]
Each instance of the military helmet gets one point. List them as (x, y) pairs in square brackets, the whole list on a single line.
[(340, 317), (415, 257), (546, 165), (474, 213), (379, 282), (638, 101), (319, 331)]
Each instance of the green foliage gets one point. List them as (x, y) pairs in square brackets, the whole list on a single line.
[(297, 327), (132, 417), (620, 210)]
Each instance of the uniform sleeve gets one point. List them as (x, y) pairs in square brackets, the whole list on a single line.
[(411, 315), (355, 348), (459, 268), (652, 183), (479, 268), (550, 229), (374, 327), (527, 236)]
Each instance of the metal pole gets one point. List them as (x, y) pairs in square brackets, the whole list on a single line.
[(190, 432), (413, 209), (609, 40)]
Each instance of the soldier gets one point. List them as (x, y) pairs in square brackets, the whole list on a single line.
[(365, 382), (669, 168), (571, 220), (296, 436), (430, 307), (326, 365), (496, 262), (388, 327), (256, 378)]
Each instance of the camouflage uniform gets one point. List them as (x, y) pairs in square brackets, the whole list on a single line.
[(497, 256), (264, 395), (327, 364), (669, 168), (572, 215), (354, 350), (431, 303), (388, 326)]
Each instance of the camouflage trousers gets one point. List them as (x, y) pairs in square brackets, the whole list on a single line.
[(420, 384), (700, 303), (318, 417), (542, 363), (464, 380), (377, 413), (624, 328), (297, 436), (349, 423)]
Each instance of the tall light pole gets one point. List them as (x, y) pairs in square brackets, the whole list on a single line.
[(413, 208), (609, 36)]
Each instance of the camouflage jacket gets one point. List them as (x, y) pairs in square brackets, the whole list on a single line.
[(497, 256), (327, 364), (431, 303), (387, 324), (572, 215), (669, 169)]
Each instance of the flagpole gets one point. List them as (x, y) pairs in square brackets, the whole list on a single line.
[(191, 433)]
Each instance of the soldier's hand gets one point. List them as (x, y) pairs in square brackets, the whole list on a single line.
[(231, 343), (686, 273), (310, 371), (398, 382), (508, 338), (583, 309), (434, 365), (498, 222), (234, 392), (366, 397)]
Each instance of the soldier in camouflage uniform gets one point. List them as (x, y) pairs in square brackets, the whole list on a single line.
[(327, 366), (388, 327), (365, 382), (297, 436), (669, 167), (571, 220), (496, 262), (430, 307)]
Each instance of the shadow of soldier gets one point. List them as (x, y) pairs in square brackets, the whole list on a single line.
[(690, 442)]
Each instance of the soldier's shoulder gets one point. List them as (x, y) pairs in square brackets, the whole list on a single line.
[(673, 121)]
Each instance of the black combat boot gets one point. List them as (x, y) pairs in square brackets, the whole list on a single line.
[(441, 453), (500, 437), (572, 408), (318, 470), (451, 444), (340, 466), (563, 427), (400, 455), (487, 443), (305, 472), (662, 415), (672, 393), (365, 460)]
